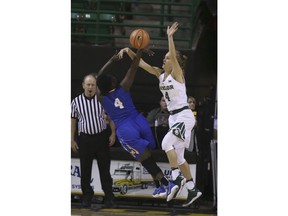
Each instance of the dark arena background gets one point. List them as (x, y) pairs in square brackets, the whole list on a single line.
[(98, 29)]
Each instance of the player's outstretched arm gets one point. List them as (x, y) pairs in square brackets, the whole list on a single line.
[(177, 72), (126, 83), (150, 69), (107, 67)]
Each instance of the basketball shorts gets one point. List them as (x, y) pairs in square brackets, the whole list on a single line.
[(135, 135)]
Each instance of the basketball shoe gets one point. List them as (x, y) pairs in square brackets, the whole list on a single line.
[(159, 192), (171, 189), (180, 182), (192, 196)]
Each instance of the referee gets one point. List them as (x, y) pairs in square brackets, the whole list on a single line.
[(93, 141)]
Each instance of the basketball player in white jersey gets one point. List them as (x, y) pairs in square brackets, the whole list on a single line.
[(181, 120)]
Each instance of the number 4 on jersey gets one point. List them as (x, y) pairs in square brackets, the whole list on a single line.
[(167, 96), (118, 103)]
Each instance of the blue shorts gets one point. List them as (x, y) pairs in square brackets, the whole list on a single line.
[(135, 135)]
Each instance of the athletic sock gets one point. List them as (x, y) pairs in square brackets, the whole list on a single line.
[(190, 184), (175, 173)]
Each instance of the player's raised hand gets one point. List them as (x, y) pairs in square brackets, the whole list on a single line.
[(149, 52), (171, 30), (121, 52)]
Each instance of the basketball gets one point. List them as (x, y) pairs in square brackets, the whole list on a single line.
[(139, 38)]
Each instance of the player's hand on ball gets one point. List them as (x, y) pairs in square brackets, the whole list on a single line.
[(149, 52)]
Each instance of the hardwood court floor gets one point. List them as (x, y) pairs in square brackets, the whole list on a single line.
[(144, 207), (132, 211)]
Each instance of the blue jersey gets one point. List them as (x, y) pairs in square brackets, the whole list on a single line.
[(132, 128), (119, 106)]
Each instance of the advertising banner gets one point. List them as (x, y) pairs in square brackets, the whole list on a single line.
[(130, 178)]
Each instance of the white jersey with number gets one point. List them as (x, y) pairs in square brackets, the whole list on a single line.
[(173, 91), (181, 123)]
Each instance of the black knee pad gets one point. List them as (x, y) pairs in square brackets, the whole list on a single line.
[(151, 166)]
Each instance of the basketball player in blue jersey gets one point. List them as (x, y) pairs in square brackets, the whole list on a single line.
[(132, 128), (181, 119)]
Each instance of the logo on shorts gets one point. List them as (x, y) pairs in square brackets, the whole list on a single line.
[(178, 129), (131, 150)]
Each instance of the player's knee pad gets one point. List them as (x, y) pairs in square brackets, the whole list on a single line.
[(151, 166)]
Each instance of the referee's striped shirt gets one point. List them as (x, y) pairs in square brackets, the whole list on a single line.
[(90, 114)]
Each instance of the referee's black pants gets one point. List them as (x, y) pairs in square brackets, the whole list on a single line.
[(90, 147)]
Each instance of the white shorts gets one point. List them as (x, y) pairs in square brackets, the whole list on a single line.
[(180, 126)]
